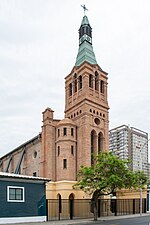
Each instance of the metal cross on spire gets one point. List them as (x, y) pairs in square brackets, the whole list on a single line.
[(85, 9)]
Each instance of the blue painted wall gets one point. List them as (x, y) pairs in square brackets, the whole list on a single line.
[(34, 204)]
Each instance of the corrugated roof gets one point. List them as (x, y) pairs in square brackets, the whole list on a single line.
[(20, 176)]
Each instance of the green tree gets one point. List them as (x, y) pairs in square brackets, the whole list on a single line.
[(106, 176)]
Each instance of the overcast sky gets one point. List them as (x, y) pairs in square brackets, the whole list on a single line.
[(38, 48)]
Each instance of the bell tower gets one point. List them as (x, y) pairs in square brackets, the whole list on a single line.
[(86, 99)]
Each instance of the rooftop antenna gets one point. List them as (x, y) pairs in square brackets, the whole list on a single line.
[(85, 9)]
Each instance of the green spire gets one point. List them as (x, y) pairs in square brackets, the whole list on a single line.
[(85, 21), (85, 52)]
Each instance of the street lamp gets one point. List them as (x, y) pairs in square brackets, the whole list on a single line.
[(141, 170), (141, 193)]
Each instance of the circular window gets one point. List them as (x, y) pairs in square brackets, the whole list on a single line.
[(35, 154), (97, 121)]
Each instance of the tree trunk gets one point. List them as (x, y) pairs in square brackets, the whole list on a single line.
[(94, 206), (95, 210)]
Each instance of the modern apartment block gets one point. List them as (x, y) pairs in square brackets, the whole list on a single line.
[(130, 143)]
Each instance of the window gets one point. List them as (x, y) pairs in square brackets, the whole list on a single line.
[(72, 132), (70, 89), (87, 29), (34, 174), (97, 121), (72, 150), (90, 81), (34, 154), (58, 150), (96, 81), (65, 131), (15, 194), (102, 86), (75, 83), (58, 132), (93, 146), (80, 82), (100, 142), (65, 163)]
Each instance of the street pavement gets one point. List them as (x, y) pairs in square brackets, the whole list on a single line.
[(101, 221), (91, 221)]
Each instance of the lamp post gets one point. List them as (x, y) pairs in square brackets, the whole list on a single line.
[(141, 190), (141, 171)]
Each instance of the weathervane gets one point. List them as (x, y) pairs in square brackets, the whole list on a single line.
[(85, 9)]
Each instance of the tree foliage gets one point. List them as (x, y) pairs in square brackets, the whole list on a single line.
[(107, 175)]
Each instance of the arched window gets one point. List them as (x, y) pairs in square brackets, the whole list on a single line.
[(80, 82), (93, 145), (90, 81), (75, 82), (100, 142), (96, 82), (70, 89), (102, 86)]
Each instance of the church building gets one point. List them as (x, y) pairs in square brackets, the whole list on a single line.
[(62, 146)]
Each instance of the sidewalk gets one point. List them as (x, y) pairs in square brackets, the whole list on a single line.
[(86, 221), (82, 221)]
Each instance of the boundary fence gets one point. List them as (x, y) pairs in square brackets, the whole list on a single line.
[(59, 209)]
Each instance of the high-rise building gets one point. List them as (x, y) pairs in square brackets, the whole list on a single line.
[(64, 145), (130, 143)]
